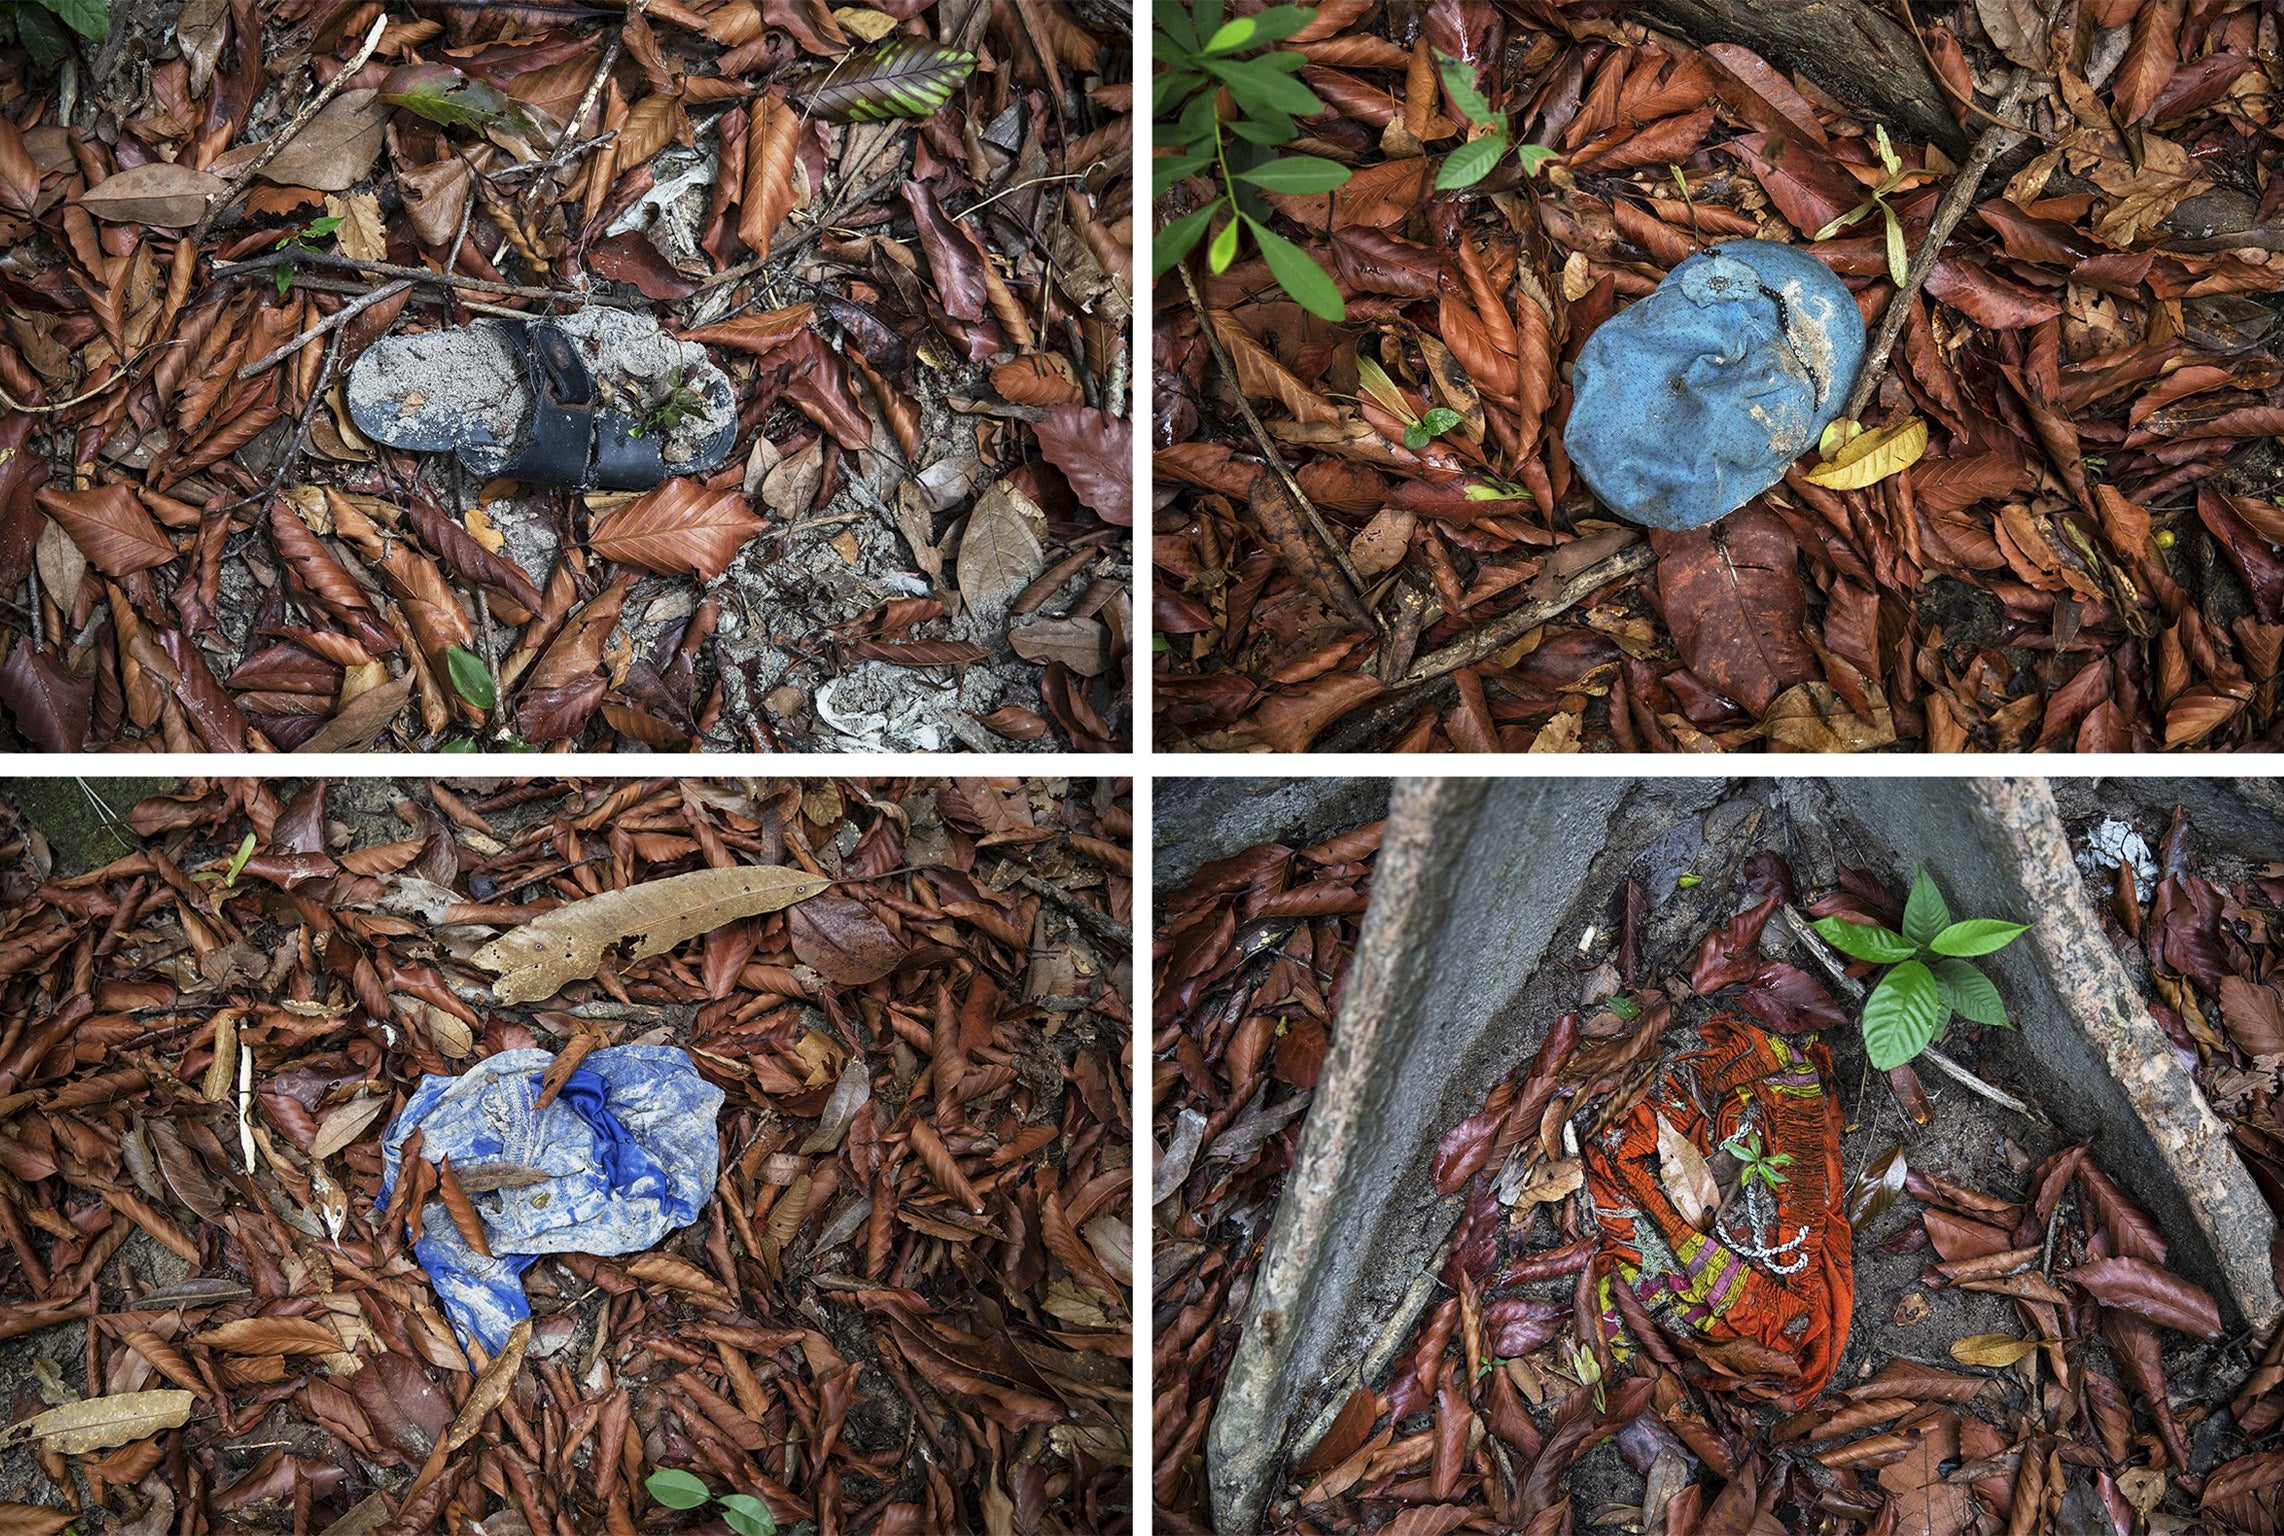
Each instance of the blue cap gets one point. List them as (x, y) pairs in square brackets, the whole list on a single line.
[(1695, 400)]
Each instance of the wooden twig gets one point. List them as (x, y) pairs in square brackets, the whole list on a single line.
[(563, 144), (1501, 632), (338, 318), (301, 256), (1957, 197), (1332, 545), (229, 195)]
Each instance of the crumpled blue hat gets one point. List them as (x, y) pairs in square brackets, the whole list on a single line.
[(1696, 399), (627, 1148)]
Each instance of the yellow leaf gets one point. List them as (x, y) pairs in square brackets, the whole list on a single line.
[(870, 25), (1871, 458), (1992, 1349)]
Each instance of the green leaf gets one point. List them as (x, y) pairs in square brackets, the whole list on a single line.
[(1898, 259), (1865, 942), (1924, 915), (1274, 129), (905, 76), (1165, 170), (1860, 211), (46, 42), (1903, 1013), (1174, 22), (1977, 936), (1440, 420), (285, 281), (1459, 80), (1298, 174), (238, 861), (1971, 994), (676, 1490), (1299, 274), (459, 744), (1417, 436), (1888, 160), (318, 229), (1532, 156), (1168, 88), (1470, 162), (471, 679), (1233, 34), (747, 1515), (450, 99), (91, 19), (1277, 22), (1179, 238), (1223, 251), (1261, 87)]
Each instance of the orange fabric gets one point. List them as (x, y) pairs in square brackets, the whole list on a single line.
[(1769, 1287)]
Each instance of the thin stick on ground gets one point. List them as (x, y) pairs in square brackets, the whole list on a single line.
[(301, 257), (1957, 198), (564, 144), (1316, 522), (338, 318), (1496, 636), (229, 195)]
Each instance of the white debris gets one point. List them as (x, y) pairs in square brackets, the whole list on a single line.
[(2115, 842)]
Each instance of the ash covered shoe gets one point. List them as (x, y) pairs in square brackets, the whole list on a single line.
[(1696, 399), (598, 398)]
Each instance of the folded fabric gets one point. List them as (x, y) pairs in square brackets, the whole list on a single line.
[(1768, 1288), (625, 1154), (1696, 399)]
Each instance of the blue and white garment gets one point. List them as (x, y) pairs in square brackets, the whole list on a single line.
[(629, 1151)]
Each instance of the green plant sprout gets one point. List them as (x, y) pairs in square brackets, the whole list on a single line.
[(1898, 259), (1758, 1164), (300, 239), (1929, 978), (680, 401), (1419, 430), (1474, 160), (741, 1512), (1197, 53)]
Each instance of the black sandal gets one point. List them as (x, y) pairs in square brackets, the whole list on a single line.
[(601, 398)]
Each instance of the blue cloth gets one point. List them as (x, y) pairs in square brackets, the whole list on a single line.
[(1696, 399), (628, 1148)]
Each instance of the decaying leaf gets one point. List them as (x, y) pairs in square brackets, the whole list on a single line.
[(1000, 553), (99, 1423), (1992, 1349), (903, 77), (1688, 1180), (565, 945), (170, 196)]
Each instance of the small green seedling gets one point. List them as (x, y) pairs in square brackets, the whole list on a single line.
[(1587, 1367), (1929, 978), (1474, 160), (1758, 1164), (1198, 59), (1419, 429), (1898, 259), (228, 876), (679, 401), (741, 1512), (303, 239)]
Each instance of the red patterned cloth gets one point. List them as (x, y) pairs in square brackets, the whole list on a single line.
[(1765, 1293)]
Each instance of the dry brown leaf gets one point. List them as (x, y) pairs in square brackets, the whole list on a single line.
[(461, 1208), (1001, 551), (337, 147), (679, 1275), (271, 1336), (1992, 1349), (1687, 1178), (99, 1423), (537, 959), (937, 1159), (775, 183), (110, 527), (169, 196), (344, 1123), (679, 527)]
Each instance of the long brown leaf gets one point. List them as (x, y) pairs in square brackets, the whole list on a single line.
[(681, 526)]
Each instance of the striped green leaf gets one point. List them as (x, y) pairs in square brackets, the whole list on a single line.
[(903, 77)]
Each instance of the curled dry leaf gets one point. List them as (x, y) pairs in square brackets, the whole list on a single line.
[(272, 1336), (538, 958)]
